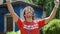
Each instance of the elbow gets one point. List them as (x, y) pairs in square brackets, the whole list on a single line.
[(50, 18)]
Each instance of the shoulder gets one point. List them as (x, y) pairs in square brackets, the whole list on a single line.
[(39, 20), (20, 20)]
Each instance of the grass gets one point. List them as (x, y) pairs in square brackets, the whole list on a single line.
[(12, 32)]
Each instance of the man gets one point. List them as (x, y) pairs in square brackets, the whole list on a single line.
[(29, 25)]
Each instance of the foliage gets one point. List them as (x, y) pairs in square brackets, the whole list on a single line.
[(52, 27), (48, 5), (28, 1), (12, 32)]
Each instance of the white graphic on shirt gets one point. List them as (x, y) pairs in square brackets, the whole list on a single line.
[(30, 26)]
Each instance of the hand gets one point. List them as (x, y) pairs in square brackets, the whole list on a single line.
[(56, 3)]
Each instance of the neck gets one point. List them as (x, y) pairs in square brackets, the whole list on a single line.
[(29, 19)]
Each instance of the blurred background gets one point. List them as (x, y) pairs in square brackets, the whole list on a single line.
[(42, 9)]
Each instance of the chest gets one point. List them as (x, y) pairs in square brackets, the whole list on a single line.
[(30, 26)]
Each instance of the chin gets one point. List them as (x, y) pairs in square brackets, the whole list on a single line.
[(29, 17)]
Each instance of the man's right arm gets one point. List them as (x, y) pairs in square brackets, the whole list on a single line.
[(11, 10)]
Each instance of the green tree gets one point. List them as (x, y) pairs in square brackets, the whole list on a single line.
[(52, 27), (47, 6)]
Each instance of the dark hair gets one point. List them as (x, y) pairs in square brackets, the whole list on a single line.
[(26, 8)]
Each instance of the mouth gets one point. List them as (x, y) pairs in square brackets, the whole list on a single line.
[(30, 14)]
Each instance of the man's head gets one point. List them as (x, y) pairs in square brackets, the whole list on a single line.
[(28, 12)]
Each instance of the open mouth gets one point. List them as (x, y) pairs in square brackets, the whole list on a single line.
[(30, 14)]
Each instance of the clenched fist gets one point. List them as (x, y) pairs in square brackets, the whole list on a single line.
[(56, 3)]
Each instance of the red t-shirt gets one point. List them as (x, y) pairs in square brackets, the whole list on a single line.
[(30, 28)]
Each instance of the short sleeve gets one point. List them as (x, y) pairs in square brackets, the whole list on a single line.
[(19, 23), (41, 23)]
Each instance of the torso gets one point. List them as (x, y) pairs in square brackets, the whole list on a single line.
[(32, 28)]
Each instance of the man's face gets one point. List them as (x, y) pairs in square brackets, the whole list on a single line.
[(28, 13)]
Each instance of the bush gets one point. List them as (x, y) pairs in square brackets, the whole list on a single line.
[(12, 32), (52, 27)]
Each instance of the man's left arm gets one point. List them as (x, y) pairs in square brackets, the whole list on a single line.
[(53, 13)]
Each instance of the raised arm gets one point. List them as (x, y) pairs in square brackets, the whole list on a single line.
[(53, 13), (11, 10)]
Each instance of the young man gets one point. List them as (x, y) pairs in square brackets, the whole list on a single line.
[(29, 25)]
